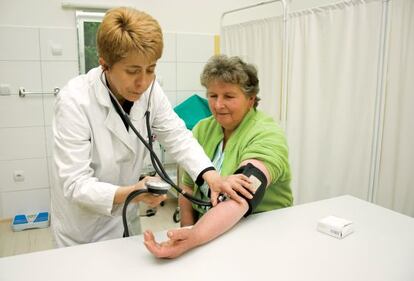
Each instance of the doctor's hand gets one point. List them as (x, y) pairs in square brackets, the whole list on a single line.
[(122, 193), (152, 200), (229, 186), (180, 241)]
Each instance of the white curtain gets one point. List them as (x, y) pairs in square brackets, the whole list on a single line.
[(333, 60), (350, 126), (260, 43), (396, 178)]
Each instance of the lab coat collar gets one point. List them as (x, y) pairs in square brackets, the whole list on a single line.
[(101, 93), (113, 121)]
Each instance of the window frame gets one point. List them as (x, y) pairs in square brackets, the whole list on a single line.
[(81, 18)]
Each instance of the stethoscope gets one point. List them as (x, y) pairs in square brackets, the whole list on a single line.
[(156, 163)]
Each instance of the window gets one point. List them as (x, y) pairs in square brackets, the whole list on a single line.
[(87, 25)]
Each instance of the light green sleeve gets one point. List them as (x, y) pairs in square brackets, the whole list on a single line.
[(187, 180), (270, 147)]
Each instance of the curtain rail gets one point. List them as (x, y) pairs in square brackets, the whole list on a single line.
[(248, 7)]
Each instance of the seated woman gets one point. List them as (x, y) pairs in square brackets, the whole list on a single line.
[(235, 135)]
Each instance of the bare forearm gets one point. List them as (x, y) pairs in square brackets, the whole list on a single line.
[(219, 220), (186, 212), (122, 193), (186, 208), (214, 223)]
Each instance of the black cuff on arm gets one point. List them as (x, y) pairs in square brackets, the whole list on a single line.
[(200, 180), (260, 182)]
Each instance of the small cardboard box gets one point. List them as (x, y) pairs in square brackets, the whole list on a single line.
[(336, 227)]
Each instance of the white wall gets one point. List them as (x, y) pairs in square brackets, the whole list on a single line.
[(26, 61)]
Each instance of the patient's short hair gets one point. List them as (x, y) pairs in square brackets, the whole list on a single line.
[(232, 70), (124, 30)]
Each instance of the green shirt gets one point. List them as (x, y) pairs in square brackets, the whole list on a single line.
[(257, 137)]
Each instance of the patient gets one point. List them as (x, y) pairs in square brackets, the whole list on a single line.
[(235, 135)]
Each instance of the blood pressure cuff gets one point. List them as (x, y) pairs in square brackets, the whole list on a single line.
[(259, 182)]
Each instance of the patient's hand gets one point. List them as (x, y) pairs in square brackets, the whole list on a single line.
[(180, 241)]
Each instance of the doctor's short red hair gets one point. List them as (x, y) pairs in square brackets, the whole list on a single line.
[(124, 30)]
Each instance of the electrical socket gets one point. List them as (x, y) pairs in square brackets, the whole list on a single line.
[(5, 90), (18, 175)]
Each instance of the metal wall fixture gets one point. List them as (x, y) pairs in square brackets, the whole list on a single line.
[(23, 92)]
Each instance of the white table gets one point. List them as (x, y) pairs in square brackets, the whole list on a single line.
[(277, 245)]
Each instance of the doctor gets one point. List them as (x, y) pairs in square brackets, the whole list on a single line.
[(97, 158)]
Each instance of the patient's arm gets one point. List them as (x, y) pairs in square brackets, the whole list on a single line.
[(215, 222)]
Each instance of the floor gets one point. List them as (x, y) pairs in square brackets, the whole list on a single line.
[(32, 240)]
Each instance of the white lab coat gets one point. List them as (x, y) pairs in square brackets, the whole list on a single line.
[(94, 154)]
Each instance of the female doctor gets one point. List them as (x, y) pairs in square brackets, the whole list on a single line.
[(97, 158)]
